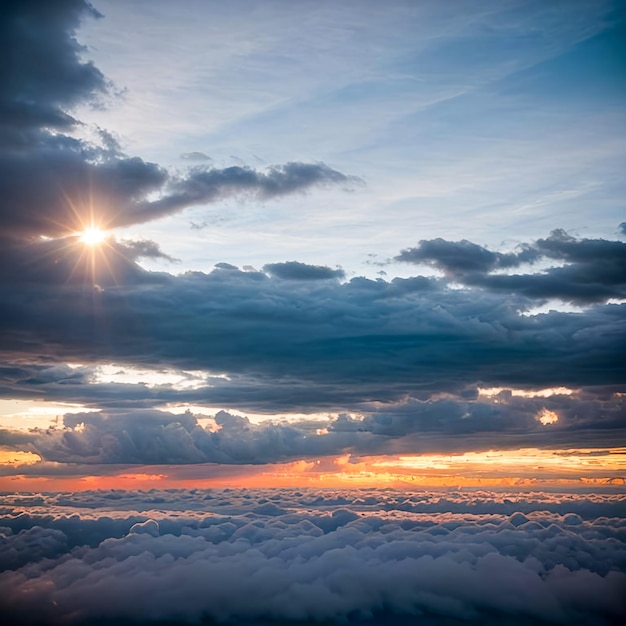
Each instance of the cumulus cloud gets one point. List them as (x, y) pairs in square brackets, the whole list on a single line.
[(159, 437), (374, 556), (447, 425), (592, 270)]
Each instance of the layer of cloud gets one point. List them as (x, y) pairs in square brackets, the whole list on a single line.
[(447, 425), (319, 341), (374, 556)]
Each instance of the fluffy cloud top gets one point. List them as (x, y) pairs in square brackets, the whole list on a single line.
[(282, 557), (149, 437)]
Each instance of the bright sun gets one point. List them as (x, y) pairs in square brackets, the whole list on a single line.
[(92, 236)]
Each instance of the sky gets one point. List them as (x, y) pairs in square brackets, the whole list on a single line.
[(312, 312), (312, 243)]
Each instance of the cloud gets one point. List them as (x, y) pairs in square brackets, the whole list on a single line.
[(371, 557), (158, 437), (325, 339), (141, 436), (309, 345), (46, 75), (294, 270), (202, 186), (195, 156), (143, 248), (458, 258), (593, 270)]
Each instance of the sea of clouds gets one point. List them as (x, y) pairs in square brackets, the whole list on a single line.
[(375, 556)]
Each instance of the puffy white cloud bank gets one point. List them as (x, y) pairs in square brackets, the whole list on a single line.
[(313, 556)]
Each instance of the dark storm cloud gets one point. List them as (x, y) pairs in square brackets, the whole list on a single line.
[(52, 182), (280, 556), (293, 270), (296, 345), (396, 336), (300, 345), (593, 270)]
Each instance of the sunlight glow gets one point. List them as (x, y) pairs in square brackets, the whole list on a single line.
[(528, 468), (152, 378), (92, 236), (526, 393), (547, 417), (17, 457)]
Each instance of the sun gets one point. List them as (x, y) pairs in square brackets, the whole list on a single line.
[(92, 236)]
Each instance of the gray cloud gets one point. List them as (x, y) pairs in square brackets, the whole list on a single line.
[(294, 270), (298, 345), (459, 258), (594, 270), (321, 339), (449, 425), (202, 186), (195, 156), (43, 75), (156, 437), (283, 556), (143, 248)]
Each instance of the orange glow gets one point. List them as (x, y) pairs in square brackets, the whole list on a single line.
[(17, 458), (516, 468)]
